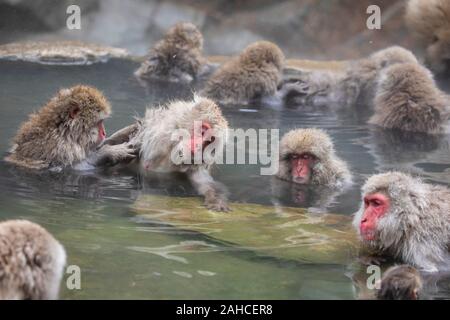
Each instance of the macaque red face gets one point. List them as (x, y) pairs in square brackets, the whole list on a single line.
[(302, 166), (376, 205), (101, 132), (200, 139)]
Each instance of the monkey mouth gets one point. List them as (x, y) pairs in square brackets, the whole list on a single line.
[(368, 236), (300, 179)]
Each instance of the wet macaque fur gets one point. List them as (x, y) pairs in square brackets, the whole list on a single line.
[(429, 20), (66, 132), (401, 282), (408, 99), (252, 75), (158, 146), (307, 156), (31, 262), (177, 57), (406, 219)]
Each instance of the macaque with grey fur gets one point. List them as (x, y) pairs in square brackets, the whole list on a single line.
[(251, 76), (307, 156), (31, 262), (67, 132), (177, 57), (408, 99), (406, 219), (429, 20), (401, 282)]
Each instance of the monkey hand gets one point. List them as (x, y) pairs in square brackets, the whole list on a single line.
[(111, 155), (217, 204)]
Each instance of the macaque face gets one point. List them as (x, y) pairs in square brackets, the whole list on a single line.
[(302, 166), (376, 205), (101, 132), (201, 137)]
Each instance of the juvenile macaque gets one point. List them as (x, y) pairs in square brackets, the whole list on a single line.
[(406, 219), (355, 85), (400, 283), (408, 99), (253, 75), (177, 57), (31, 262), (429, 20), (183, 136), (66, 132), (307, 156)]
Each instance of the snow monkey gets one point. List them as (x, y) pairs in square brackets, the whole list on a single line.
[(401, 282), (406, 219), (429, 20), (307, 156), (177, 57), (355, 85), (408, 99), (252, 75), (31, 262), (183, 136), (66, 133)]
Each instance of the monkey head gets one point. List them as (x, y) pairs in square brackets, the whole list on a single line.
[(182, 134), (185, 34), (262, 53), (401, 282), (392, 55), (307, 156)]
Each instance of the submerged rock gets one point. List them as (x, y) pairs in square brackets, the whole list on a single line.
[(60, 52)]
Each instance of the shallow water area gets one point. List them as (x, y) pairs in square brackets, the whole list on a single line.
[(124, 255)]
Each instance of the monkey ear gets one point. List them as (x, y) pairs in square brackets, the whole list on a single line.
[(74, 110)]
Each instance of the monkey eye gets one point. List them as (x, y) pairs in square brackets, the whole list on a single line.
[(376, 203), (293, 156)]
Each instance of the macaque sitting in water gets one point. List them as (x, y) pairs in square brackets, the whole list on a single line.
[(307, 156), (406, 219), (67, 132), (183, 136)]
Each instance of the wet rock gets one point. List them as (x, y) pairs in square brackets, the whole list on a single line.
[(60, 52)]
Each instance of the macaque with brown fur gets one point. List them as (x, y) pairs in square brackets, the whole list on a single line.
[(31, 262), (408, 99), (307, 156), (183, 136), (177, 57), (66, 133), (429, 20), (355, 85), (406, 219), (253, 75), (401, 282)]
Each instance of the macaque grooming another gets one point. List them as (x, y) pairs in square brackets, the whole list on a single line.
[(430, 21), (408, 99), (400, 283), (406, 219), (307, 156), (31, 262), (252, 75), (177, 57), (162, 147), (66, 133)]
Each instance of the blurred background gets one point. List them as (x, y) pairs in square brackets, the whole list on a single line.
[(312, 29)]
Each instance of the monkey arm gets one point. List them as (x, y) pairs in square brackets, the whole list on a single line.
[(123, 135), (214, 192), (111, 155)]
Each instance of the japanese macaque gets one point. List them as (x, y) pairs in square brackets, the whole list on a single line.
[(400, 283), (406, 219), (184, 136), (429, 20), (31, 262), (177, 57), (307, 156), (408, 99), (67, 132), (253, 75), (354, 85)]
